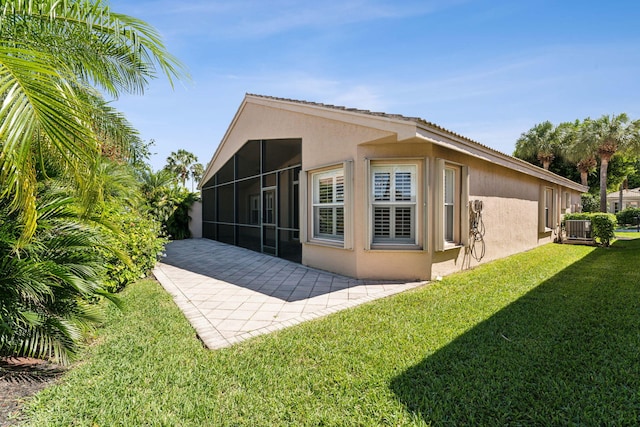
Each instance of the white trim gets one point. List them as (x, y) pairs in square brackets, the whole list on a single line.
[(438, 214), (344, 169), (334, 178), (464, 206), (547, 212), (461, 206), (426, 212), (347, 167), (304, 203), (395, 201)]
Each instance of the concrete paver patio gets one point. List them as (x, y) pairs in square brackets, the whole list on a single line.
[(230, 293)]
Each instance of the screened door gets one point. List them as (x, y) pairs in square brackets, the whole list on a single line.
[(269, 216)]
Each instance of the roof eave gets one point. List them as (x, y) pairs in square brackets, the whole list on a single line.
[(475, 149)]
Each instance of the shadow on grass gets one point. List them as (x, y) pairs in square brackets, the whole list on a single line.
[(568, 352)]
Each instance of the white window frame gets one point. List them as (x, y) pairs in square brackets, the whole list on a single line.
[(450, 205), (451, 233), (396, 203), (335, 206), (548, 209)]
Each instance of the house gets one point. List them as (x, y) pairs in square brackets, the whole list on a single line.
[(630, 199), (373, 195)]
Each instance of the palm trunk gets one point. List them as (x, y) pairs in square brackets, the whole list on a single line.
[(604, 165), (623, 186), (584, 178)]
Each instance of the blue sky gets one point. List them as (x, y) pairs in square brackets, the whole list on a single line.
[(487, 69)]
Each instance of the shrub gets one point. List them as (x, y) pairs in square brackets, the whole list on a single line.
[(590, 203), (177, 225), (603, 225), (578, 216), (48, 285), (628, 216), (136, 245)]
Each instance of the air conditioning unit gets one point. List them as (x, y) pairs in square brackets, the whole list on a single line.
[(578, 230)]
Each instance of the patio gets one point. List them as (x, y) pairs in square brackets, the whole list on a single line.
[(230, 294)]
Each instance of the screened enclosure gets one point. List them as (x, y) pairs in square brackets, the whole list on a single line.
[(253, 200)]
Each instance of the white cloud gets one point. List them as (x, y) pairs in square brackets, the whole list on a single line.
[(242, 19)]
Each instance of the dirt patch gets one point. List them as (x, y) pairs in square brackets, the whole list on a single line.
[(20, 378)]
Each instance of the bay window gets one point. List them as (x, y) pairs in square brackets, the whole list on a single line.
[(393, 203)]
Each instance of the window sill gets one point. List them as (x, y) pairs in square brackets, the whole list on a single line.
[(385, 247), (338, 244), (448, 246)]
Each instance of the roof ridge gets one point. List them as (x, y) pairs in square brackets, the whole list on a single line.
[(430, 126), (417, 120)]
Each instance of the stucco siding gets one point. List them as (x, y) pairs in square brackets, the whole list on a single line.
[(334, 139)]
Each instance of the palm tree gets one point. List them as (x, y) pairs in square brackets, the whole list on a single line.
[(51, 54), (47, 284), (541, 142), (197, 171), (179, 163), (583, 156), (607, 136), (160, 193), (54, 56)]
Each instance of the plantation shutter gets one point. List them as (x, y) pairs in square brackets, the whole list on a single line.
[(393, 203)]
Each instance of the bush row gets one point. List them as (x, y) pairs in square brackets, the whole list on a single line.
[(628, 216)]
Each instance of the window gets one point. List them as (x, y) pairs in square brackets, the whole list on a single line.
[(328, 204), (548, 208), (449, 204), (567, 200), (393, 203), (451, 189)]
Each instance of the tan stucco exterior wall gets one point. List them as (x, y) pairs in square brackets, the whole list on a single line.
[(510, 216), (510, 197)]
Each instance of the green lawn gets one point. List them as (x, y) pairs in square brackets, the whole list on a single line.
[(547, 337)]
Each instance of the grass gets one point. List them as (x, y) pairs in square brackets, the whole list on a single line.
[(546, 337)]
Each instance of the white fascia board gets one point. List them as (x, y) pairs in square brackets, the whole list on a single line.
[(209, 172)]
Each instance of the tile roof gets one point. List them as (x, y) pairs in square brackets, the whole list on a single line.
[(417, 120), (629, 192), (521, 164)]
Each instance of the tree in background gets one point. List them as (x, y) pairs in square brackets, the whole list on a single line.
[(607, 136), (197, 172), (634, 177), (168, 202), (614, 140), (179, 163), (584, 160), (541, 141)]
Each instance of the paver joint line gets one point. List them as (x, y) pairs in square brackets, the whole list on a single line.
[(226, 291)]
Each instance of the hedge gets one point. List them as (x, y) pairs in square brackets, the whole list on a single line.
[(628, 216)]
